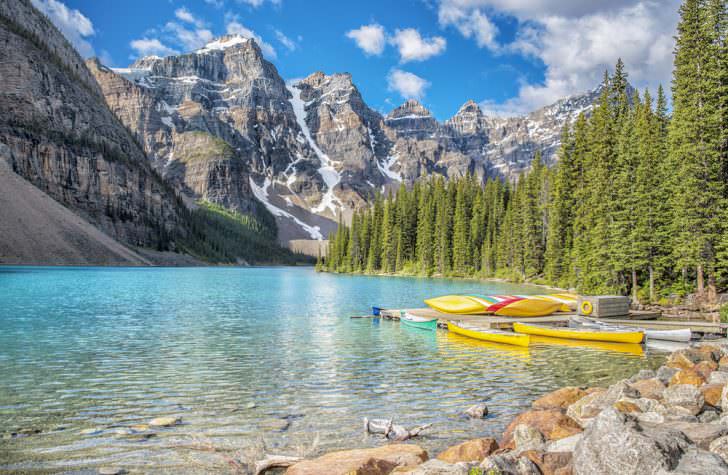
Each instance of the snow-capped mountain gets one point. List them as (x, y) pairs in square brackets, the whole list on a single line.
[(222, 125)]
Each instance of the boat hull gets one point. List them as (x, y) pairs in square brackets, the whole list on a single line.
[(574, 334), (458, 304), (485, 335), (532, 307), (429, 325)]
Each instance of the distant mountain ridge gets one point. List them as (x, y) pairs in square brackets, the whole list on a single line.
[(222, 125)]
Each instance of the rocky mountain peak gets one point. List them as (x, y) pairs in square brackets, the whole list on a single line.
[(470, 107), (411, 108)]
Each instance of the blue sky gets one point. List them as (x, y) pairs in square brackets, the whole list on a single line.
[(511, 56)]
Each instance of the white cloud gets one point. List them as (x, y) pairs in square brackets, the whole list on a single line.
[(191, 39), (408, 85), (413, 47), (74, 25), (288, 43), (215, 3), (575, 41), (186, 16), (234, 27), (370, 38), (471, 24), (257, 3), (151, 46)]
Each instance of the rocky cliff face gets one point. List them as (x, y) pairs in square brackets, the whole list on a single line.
[(62, 138), (220, 124)]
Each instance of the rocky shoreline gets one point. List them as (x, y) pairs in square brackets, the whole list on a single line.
[(673, 420)]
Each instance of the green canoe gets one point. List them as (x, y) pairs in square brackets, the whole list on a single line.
[(418, 322)]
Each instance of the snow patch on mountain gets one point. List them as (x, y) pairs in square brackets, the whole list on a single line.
[(327, 171), (261, 194)]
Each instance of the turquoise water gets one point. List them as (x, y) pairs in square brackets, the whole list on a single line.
[(253, 360)]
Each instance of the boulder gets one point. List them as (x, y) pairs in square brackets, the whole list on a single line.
[(683, 359), (723, 362), (567, 444), (552, 423), (616, 443), (650, 388), (471, 450), (700, 434), (709, 415), (559, 399), (434, 467), (587, 407), (642, 374), (712, 393), (477, 411), (687, 376), (375, 461), (705, 368), (627, 405), (665, 374), (509, 464), (720, 446), (699, 462), (708, 352), (718, 377), (526, 437), (724, 399), (685, 396), (550, 463)]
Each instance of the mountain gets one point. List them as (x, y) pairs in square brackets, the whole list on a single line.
[(221, 125), (86, 185)]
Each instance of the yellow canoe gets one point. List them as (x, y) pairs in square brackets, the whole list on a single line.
[(580, 334), (495, 336), (458, 304), (530, 307)]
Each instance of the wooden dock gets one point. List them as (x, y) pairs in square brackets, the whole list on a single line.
[(635, 319)]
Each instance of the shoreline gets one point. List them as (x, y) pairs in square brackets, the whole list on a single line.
[(673, 420)]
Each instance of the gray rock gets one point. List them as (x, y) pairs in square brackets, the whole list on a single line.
[(166, 421), (700, 434), (708, 416), (509, 464), (526, 437), (665, 374), (724, 399), (567, 444), (616, 443), (477, 411), (718, 377), (642, 374), (698, 462), (650, 417), (720, 446), (685, 396), (438, 467)]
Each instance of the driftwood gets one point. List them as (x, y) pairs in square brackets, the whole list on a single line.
[(274, 461), (392, 431)]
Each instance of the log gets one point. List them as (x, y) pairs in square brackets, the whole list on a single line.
[(274, 461)]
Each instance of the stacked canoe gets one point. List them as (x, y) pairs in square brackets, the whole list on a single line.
[(503, 305)]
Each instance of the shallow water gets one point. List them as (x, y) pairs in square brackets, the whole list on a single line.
[(252, 360)]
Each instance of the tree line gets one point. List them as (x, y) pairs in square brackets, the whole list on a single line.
[(636, 203)]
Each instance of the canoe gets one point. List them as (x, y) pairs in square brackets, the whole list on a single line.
[(377, 311), (592, 334), (482, 334), (568, 302), (502, 305), (459, 304), (681, 335), (418, 322), (529, 307)]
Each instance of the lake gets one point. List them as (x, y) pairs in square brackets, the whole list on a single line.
[(252, 360)]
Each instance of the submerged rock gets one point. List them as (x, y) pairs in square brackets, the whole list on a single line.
[(166, 421), (477, 411), (377, 461)]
